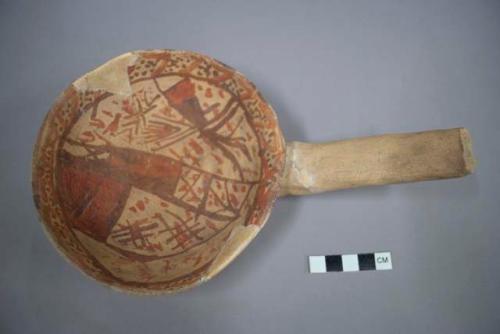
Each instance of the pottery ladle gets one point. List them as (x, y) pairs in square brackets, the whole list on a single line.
[(154, 171)]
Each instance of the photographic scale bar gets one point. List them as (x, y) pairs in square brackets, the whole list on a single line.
[(350, 262)]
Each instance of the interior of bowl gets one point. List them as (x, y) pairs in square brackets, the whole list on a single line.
[(152, 172)]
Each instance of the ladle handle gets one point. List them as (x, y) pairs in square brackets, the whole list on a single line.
[(392, 158)]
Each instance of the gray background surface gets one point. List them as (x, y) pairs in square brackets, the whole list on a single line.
[(332, 70)]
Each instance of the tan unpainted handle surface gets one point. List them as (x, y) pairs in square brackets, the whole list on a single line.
[(393, 158)]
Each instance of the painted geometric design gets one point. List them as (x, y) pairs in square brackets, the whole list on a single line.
[(141, 190)]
